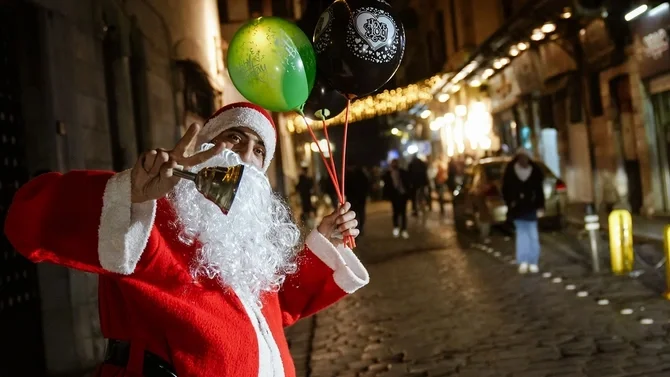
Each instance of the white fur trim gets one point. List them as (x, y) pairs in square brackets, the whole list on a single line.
[(124, 227), (349, 273), (269, 357), (243, 117)]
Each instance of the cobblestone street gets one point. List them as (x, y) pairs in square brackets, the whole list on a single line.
[(440, 305)]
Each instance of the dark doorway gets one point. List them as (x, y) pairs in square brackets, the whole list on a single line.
[(620, 90), (21, 339), (110, 51)]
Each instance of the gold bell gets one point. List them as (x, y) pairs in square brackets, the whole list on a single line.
[(218, 184)]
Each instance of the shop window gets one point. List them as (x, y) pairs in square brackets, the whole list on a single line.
[(198, 92), (595, 100)]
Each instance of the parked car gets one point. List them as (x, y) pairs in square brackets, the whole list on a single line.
[(486, 176)]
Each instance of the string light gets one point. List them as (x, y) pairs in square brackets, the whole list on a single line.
[(387, 102)]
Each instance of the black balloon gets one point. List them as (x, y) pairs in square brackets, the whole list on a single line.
[(359, 45), (324, 102)]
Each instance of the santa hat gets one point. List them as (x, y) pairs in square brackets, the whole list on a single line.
[(243, 114)]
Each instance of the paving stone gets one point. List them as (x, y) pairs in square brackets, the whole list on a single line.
[(435, 306)]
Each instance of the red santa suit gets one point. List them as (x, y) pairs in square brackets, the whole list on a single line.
[(147, 295)]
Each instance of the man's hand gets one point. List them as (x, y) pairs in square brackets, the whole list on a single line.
[(151, 177), (339, 224)]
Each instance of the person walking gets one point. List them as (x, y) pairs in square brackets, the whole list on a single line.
[(418, 174), (441, 184), (357, 186), (397, 186), (305, 189), (328, 189), (524, 195)]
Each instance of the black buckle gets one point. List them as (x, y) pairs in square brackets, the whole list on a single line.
[(118, 353)]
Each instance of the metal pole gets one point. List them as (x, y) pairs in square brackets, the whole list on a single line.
[(592, 225)]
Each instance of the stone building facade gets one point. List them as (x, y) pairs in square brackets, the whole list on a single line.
[(98, 81)]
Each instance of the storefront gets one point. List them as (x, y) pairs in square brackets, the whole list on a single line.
[(652, 50), (507, 125)]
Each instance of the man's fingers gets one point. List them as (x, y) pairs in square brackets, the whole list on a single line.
[(148, 159), (347, 226), (161, 158), (167, 169), (346, 217), (185, 143), (345, 208), (352, 232), (203, 156)]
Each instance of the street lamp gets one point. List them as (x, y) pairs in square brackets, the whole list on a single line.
[(548, 27), (658, 9), (461, 110), (537, 35), (566, 13), (514, 51), (323, 143), (630, 16)]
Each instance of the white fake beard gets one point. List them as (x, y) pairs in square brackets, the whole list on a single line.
[(253, 247)]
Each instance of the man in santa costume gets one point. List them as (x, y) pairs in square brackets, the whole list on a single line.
[(185, 290)]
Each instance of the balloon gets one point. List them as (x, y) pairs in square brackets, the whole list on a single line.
[(324, 102), (272, 64), (359, 45)]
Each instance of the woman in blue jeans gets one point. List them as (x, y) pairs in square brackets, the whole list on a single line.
[(524, 196)]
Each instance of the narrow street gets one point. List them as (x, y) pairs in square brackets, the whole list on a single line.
[(439, 304)]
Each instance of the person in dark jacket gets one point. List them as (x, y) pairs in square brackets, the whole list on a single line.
[(397, 188), (357, 189), (305, 188), (418, 174), (328, 188), (524, 196)]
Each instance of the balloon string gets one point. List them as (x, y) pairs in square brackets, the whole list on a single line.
[(331, 173), (330, 153), (350, 240), (344, 142)]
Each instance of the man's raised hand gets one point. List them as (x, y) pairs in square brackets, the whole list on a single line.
[(152, 176)]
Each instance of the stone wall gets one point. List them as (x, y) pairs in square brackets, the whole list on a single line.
[(64, 84)]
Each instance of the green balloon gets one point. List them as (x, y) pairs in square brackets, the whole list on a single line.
[(272, 63)]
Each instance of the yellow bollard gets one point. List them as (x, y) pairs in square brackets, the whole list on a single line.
[(666, 238), (621, 241)]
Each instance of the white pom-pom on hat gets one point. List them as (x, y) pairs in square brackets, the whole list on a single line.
[(243, 114)]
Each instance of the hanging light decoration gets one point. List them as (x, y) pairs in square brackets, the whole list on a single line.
[(386, 102)]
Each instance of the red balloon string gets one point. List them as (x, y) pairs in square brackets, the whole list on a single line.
[(330, 153), (331, 172), (344, 142), (350, 240)]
